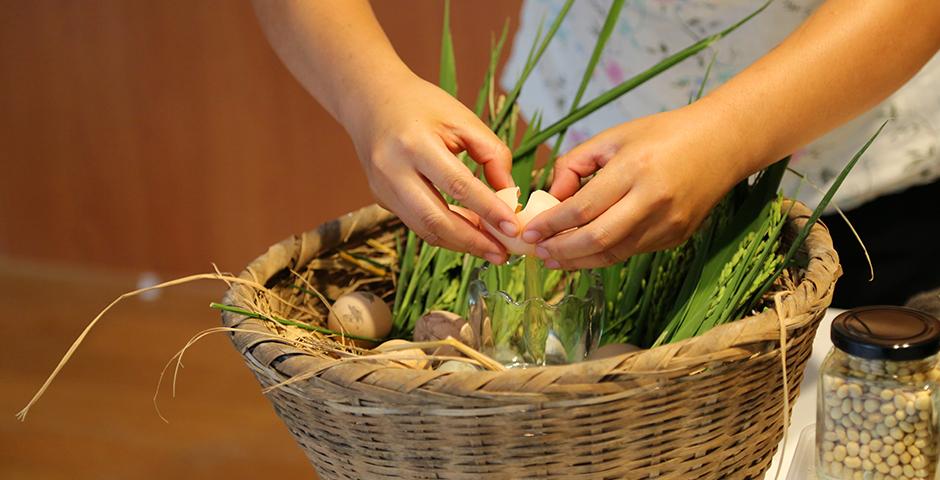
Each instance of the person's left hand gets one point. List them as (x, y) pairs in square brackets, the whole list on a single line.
[(655, 180)]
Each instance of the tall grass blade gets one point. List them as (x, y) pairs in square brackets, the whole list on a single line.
[(609, 23), (448, 73), (692, 306), (817, 212), (628, 85), (708, 71), (522, 170), (530, 63), (495, 52)]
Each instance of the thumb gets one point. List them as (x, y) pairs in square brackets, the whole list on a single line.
[(580, 162), (486, 149)]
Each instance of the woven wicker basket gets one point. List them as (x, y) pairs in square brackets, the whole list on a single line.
[(708, 407)]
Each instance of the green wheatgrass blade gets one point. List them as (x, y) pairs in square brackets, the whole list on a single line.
[(693, 307), (701, 242), (609, 23), (425, 257), (497, 123), (731, 274), (470, 264), (654, 286), (610, 279), (551, 281), (817, 212), (522, 170), (448, 73), (747, 220), (708, 71), (740, 267), (406, 266), (628, 85), (512, 125), (485, 90), (531, 62), (638, 268), (664, 283), (284, 321), (764, 266), (444, 261), (446, 299)]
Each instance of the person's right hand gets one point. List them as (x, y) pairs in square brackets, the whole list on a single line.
[(407, 138)]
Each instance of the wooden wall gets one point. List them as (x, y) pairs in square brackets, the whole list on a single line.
[(166, 135)]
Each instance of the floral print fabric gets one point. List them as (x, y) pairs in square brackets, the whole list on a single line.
[(907, 153)]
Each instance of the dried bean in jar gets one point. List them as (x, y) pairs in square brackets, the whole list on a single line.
[(877, 406)]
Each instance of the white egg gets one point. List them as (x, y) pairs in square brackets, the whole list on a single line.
[(555, 353), (456, 366), (362, 314), (539, 201), (409, 357)]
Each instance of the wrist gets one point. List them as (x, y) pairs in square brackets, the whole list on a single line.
[(368, 95), (738, 139)]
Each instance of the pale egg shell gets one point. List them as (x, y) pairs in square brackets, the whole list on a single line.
[(456, 366), (555, 353), (410, 357), (539, 201), (613, 350), (438, 325), (362, 314)]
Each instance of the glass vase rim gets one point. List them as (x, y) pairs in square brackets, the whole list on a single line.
[(594, 294)]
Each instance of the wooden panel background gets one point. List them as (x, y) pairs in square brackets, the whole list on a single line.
[(139, 135), (167, 135)]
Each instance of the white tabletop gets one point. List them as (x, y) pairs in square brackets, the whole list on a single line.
[(804, 411)]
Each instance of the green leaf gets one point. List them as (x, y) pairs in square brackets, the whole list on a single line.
[(448, 75)]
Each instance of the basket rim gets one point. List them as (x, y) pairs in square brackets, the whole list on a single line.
[(737, 341)]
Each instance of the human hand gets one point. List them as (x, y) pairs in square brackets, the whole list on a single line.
[(656, 178), (407, 139)]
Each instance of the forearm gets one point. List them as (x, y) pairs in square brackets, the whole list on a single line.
[(845, 59), (337, 50)]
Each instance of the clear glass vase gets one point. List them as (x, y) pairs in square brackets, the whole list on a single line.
[(561, 326)]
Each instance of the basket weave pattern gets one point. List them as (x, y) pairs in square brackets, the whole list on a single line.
[(708, 407)]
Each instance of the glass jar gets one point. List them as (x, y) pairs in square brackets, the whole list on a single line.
[(876, 411), (563, 326)]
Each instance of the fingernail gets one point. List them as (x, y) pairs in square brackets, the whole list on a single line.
[(494, 258), (542, 253), (508, 228), (531, 236), (552, 264)]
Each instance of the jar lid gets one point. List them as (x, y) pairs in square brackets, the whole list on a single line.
[(886, 333)]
